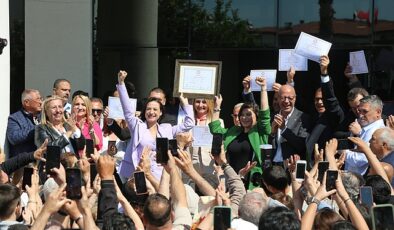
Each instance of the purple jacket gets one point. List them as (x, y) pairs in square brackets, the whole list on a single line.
[(141, 137)]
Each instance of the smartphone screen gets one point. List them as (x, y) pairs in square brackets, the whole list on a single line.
[(300, 170), (332, 176), (74, 183), (52, 157), (27, 173), (140, 183), (383, 217), (112, 150), (366, 196), (221, 218), (93, 173), (217, 140), (161, 150), (89, 147), (345, 144), (173, 146), (81, 142), (322, 168)]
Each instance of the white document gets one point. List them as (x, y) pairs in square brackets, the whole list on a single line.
[(115, 108), (201, 136), (268, 74), (358, 62), (197, 79), (288, 58), (312, 47)]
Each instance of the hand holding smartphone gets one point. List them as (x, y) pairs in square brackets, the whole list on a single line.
[(217, 140), (383, 217), (162, 150), (322, 168), (173, 146), (366, 196), (221, 217), (89, 148), (140, 183), (112, 150), (52, 158), (27, 173), (332, 176)]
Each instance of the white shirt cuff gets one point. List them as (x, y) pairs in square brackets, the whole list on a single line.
[(325, 79)]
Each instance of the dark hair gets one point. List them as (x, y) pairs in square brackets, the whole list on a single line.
[(381, 190), (353, 93), (253, 106), (58, 81), (279, 218), (147, 102), (276, 177), (157, 90), (117, 221), (343, 225), (18, 227), (284, 199), (96, 99), (130, 87), (325, 218), (9, 199), (79, 92), (157, 210)]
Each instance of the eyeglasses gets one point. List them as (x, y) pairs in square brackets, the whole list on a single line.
[(288, 98), (98, 111)]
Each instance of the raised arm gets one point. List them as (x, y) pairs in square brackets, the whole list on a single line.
[(188, 122), (124, 100), (247, 94)]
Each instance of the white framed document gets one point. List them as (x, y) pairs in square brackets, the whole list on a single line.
[(197, 78), (115, 107), (358, 62), (288, 58), (312, 47), (201, 136), (268, 74)]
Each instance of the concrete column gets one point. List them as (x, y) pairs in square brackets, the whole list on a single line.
[(4, 70), (58, 44), (127, 39)]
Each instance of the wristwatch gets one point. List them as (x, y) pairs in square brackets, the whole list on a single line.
[(310, 200)]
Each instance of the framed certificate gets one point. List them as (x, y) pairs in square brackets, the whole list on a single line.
[(197, 78)]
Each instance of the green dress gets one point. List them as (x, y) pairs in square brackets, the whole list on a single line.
[(257, 135)]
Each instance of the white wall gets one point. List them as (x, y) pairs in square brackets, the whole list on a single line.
[(4, 70), (58, 44)]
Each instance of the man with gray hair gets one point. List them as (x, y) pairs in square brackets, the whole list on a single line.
[(369, 120), (252, 205), (20, 127), (382, 145)]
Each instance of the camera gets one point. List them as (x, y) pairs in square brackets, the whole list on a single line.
[(3, 43)]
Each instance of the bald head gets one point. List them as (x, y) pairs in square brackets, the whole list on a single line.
[(287, 98)]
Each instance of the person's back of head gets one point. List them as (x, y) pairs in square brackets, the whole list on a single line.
[(251, 206), (9, 200), (118, 221), (279, 218), (343, 225), (355, 92), (275, 177), (284, 199), (157, 210), (352, 183), (381, 190), (325, 218)]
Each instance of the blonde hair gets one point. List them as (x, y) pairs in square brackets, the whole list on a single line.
[(210, 105), (88, 105), (45, 107)]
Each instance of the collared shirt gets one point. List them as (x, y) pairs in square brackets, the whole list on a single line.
[(278, 155), (355, 161)]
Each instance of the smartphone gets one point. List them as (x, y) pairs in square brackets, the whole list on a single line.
[(383, 217), (27, 173), (161, 150), (322, 168), (81, 142), (140, 183), (332, 176), (93, 174), (52, 157), (221, 218), (217, 140), (173, 146), (345, 144), (366, 196), (112, 150), (89, 148), (74, 183), (300, 170)]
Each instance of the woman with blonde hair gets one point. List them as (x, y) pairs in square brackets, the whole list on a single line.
[(82, 112)]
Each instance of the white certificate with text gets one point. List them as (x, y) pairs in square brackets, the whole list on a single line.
[(288, 58), (201, 136), (358, 62), (312, 47), (197, 79), (268, 74), (115, 107)]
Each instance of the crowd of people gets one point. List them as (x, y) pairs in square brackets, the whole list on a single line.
[(252, 182)]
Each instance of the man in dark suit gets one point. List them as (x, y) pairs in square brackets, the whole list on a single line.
[(20, 127), (290, 128), (330, 113)]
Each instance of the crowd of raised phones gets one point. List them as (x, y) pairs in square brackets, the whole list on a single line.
[(71, 166)]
